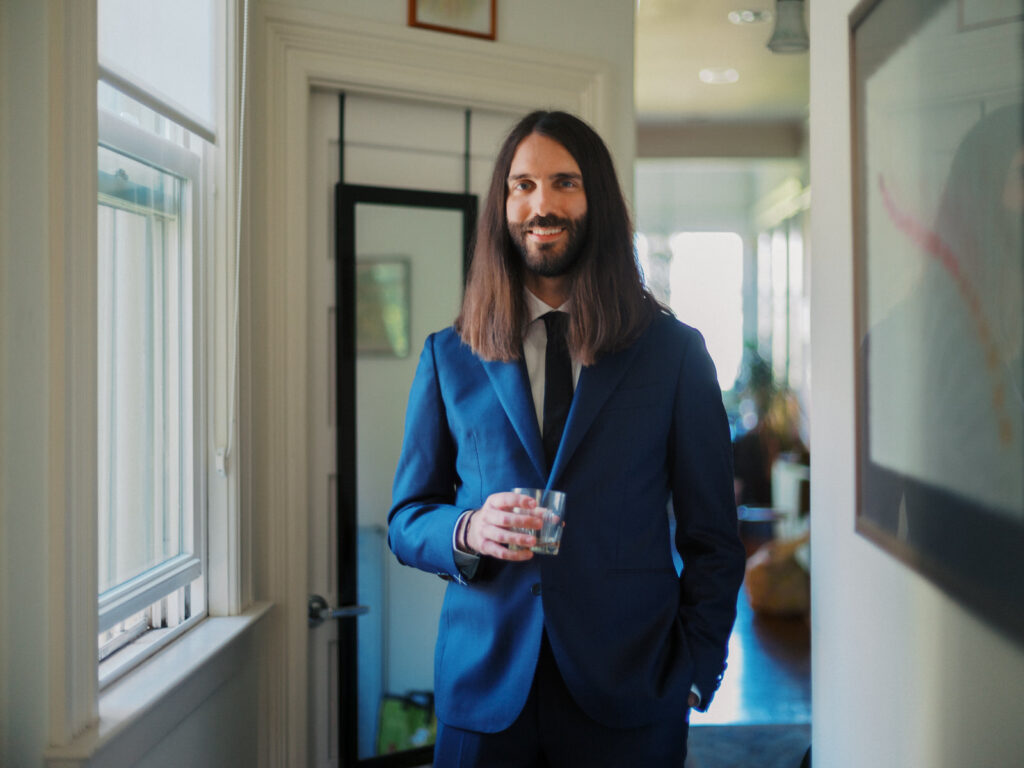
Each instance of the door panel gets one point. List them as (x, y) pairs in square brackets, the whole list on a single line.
[(398, 143)]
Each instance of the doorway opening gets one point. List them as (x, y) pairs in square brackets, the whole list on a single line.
[(721, 242), (395, 183)]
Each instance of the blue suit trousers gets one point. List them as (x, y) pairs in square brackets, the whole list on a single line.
[(553, 732)]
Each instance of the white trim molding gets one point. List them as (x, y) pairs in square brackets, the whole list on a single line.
[(301, 50), (228, 526), (140, 710), (72, 367)]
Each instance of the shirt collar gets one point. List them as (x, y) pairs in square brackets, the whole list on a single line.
[(535, 307)]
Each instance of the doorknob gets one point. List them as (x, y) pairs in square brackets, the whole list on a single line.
[(319, 611)]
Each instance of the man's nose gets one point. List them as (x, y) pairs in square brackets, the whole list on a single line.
[(542, 201)]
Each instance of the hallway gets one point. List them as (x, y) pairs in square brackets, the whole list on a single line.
[(768, 680), (762, 713)]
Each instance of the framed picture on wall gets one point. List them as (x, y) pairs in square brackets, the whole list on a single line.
[(382, 307), (475, 18), (938, 140), (974, 14)]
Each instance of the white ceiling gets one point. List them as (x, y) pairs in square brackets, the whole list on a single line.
[(675, 39)]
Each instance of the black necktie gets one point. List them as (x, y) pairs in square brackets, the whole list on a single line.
[(557, 383)]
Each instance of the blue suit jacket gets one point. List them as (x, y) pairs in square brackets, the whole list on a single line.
[(629, 634)]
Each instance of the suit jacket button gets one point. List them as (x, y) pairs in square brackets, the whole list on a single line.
[(535, 589)]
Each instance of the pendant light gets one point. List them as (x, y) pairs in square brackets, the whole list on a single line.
[(790, 35)]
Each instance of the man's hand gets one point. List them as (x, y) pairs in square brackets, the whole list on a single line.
[(693, 701), (489, 530)]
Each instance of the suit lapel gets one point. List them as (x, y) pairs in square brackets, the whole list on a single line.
[(512, 384), (596, 384)]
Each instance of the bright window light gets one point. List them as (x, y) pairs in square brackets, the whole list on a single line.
[(163, 48), (643, 255), (780, 304), (706, 278)]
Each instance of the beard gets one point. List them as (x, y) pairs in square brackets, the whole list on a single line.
[(550, 259)]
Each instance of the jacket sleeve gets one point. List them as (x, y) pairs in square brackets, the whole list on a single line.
[(423, 515), (707, 536)]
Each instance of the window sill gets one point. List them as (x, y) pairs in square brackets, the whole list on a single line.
[(139, 710)]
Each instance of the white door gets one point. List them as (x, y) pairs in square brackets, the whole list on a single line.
[(409, 258)]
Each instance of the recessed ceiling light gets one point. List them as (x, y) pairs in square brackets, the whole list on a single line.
[(719, 75), (749, 16)]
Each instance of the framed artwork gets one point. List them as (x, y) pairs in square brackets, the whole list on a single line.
[(938, 155), (475, 18), (382, 307), (974, 14)]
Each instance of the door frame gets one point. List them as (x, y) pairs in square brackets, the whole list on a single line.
[(299, 50), (347, 197)]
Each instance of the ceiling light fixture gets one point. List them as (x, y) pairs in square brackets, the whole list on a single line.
[(749, 16), (718, 75), (790, 35)]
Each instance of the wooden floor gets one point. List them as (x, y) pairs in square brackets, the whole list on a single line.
[(768, 680)]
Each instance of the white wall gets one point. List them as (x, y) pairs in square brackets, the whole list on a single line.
[(597, 29), (683, 193), (902, 675), (679, 194), (219, 731)]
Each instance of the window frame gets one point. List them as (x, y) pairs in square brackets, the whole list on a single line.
[(58, 205), (179, 571)]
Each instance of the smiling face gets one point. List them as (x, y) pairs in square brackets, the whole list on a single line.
[(545, 208)]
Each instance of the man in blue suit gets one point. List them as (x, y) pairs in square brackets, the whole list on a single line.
[(592, 656)]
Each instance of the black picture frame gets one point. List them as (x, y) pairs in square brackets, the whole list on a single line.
[(939, 371)]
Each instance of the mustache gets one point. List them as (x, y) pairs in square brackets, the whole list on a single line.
[(549, 220)]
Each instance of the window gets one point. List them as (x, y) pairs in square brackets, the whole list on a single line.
[(706, 291), (150, 504), (783, 307), (156, 160)]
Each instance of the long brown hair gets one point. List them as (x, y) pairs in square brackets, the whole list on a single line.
[(610, 307)]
